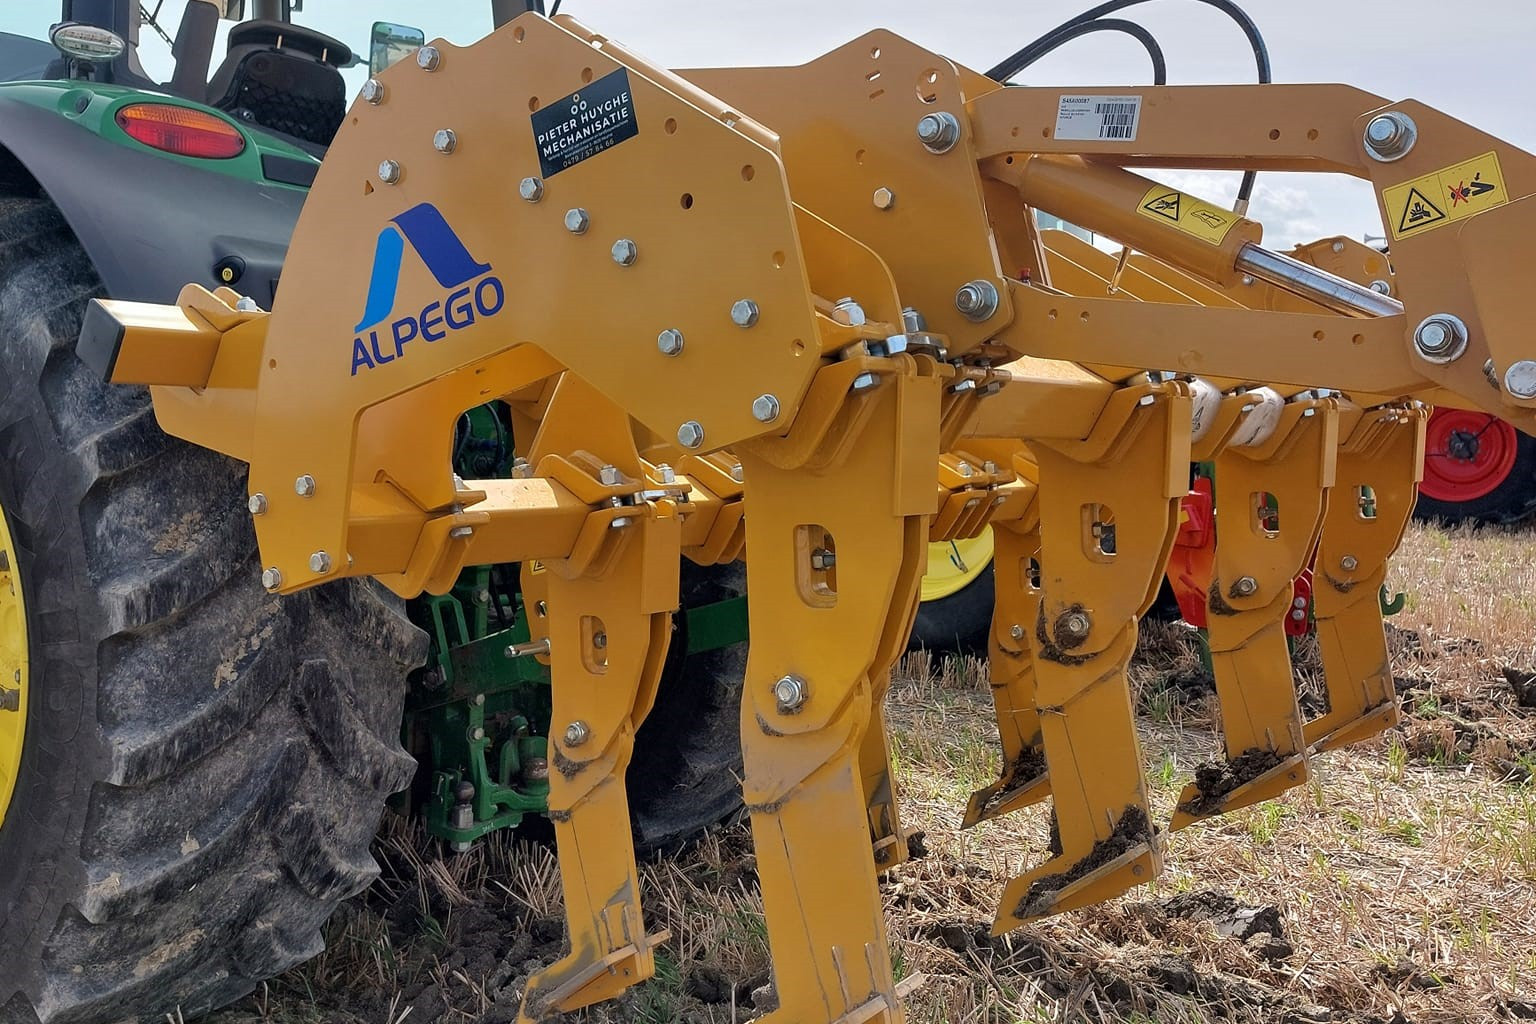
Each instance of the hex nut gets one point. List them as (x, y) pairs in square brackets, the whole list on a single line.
[(372, 91), (576, 733), (429, 58), (670, 341), (445, 141), (304, 486), (257, 504), (320, 563), (577, 221), (790, 694), (531, 189), (625, 252), (271, 578), (744, 313), (389, 171), (765, 408), (690, 434), (884, 198)]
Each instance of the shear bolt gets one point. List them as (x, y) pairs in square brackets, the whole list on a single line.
[(271, 578), (938, 132), (1245, 586), (373, 91), (690, 434), (1390, 136), (1349, 563), (304, 486), (765, 408), (1520, 379), (320, 563), (625, 252), (576, 221), (444, 141), (977, 300), (789, 694), (428, 58), (744, 313), (670, 341), (389, 171), (257, 504), (576, 733), (1441, 338), (1075, 625)]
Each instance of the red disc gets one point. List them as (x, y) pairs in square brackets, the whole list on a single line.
[(1466, 454)]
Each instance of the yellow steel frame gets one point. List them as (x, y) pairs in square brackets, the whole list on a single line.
[(697, 281)]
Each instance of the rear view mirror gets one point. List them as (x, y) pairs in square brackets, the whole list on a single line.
[(390, 42)]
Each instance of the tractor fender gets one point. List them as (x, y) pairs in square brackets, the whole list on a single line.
[(151, 225)]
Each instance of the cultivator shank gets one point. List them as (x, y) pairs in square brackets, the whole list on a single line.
[(806, 315)]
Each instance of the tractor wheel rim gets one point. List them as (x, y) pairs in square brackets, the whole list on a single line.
[(953, 565), (13, 666), (1466, 455)]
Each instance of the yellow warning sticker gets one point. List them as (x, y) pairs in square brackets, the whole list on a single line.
[(535, 567), (1207, 222), (1446, 196)]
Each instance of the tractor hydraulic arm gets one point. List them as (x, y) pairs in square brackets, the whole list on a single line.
[(820, 293)]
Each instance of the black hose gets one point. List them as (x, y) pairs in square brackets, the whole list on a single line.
[(1059, 37), (1024, 57)]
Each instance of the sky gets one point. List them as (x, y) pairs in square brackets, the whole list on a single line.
[(1473, 60)]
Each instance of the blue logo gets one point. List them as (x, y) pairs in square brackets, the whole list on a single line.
[(473, 291)]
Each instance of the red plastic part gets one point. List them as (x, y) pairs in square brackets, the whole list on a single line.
[(184, 131), (1466, 455), (1194, 553)]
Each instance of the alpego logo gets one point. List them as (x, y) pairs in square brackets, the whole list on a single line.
[(453, 267)]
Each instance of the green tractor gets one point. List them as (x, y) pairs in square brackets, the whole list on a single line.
[(192, 770)]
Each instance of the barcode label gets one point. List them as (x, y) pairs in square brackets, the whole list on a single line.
[(1098, 118)]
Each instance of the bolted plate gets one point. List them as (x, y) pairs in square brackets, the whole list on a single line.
[(706, 203)]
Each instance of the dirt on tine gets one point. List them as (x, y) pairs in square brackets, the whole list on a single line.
[(1398, 885)]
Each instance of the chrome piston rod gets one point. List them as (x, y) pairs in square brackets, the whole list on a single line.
[(1309, 282)]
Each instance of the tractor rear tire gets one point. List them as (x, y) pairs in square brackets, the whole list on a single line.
[(204, 764), (686, 772)]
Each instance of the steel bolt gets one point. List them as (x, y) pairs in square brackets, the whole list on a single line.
[(461, 532), (10, 700), (912, 321), (304, 486), (938, 132), (737, 473), (884, 198), (428, 58), (1441, 338), (577, 220), (320, 563), (246, 304), (271, 578), (977, 300), (790, 694), (576, 733), (765, 408), (625, 252), (1016, 631), (600, 640), (1299, 602), (479, 700), (822, 559), (1245, 586), (1338, 246), (477, 734), (1075, 625), (667, 473), (1389, 136), (257, 504), (1520, 379), (531, 189), (373, 91), (848, 312), (389, 171), (690, 434), (1381, 287), (444, 141), (670, 341), (863, 382), (744, 313), (610, 476)]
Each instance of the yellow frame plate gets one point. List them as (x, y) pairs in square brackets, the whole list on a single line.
[(13, 666)]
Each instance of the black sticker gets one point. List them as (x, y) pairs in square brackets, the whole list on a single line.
[(585, 123)]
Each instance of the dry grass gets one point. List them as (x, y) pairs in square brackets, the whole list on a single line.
[(1404, 874)]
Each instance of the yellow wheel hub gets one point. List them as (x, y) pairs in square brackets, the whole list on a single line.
[(13, 667), (952, 565)]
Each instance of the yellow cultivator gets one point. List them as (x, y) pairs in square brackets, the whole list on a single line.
[(805, 316)]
